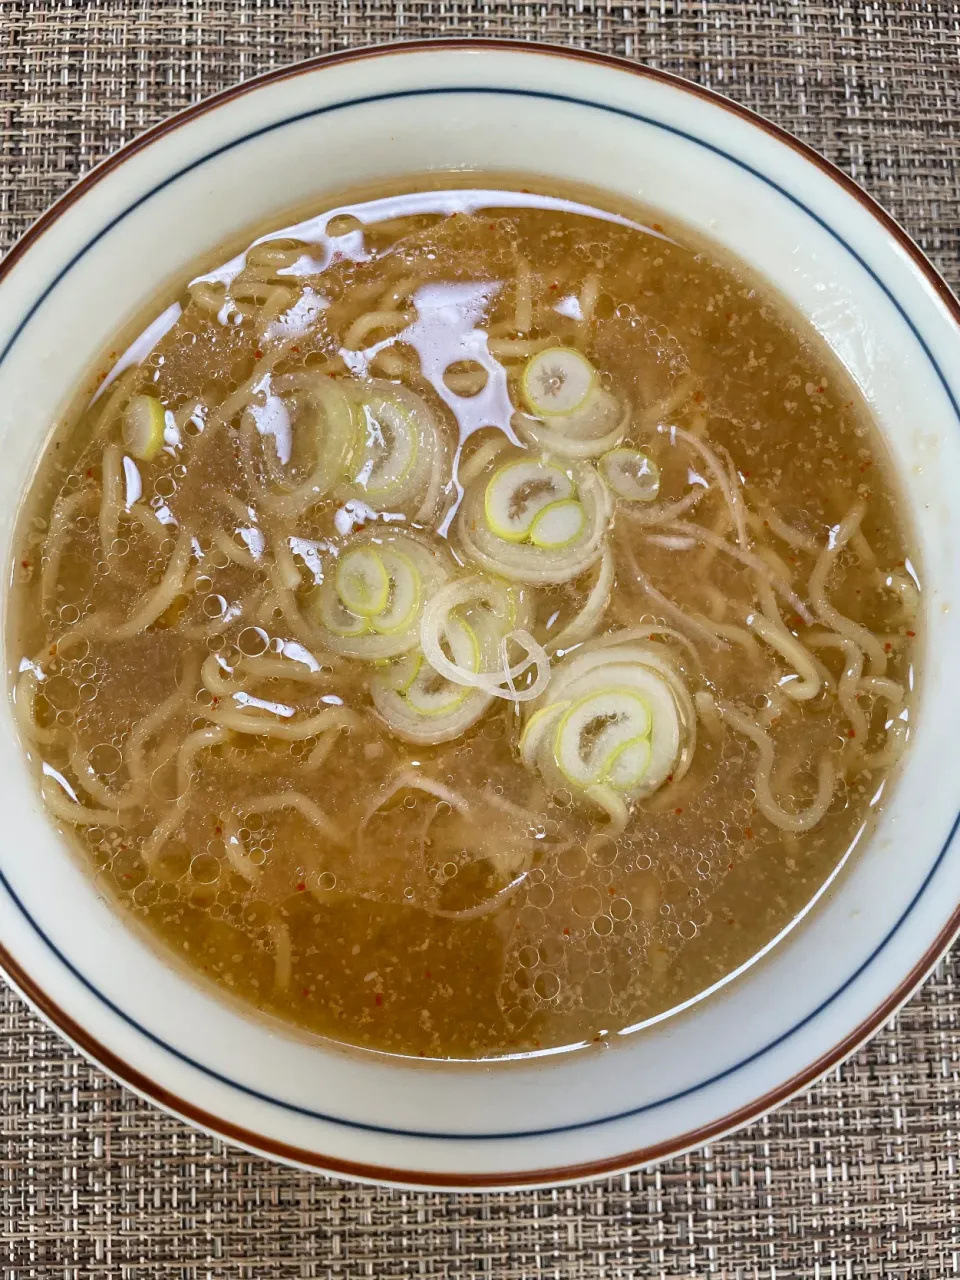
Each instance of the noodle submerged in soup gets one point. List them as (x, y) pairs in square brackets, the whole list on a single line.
[(479, 623)]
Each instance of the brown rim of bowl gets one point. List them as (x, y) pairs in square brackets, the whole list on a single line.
[(149, 1088)]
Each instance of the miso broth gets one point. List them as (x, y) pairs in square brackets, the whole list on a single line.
[(479, 622)]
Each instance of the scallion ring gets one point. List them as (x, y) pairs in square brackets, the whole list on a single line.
[(533, 521), (631, 474), (371, 600), (615, 723)]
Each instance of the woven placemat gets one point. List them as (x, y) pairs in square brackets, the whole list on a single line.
[(859, 1178)]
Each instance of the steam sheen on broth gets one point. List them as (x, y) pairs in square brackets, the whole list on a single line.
[(468, 622)]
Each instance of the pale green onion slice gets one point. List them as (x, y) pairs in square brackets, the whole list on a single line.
[(517, 494), (537, 729), (557, 381), (631, 474), (433, 713), (403, 593), (512, 502), (430, 693), (400, 458), (332, 614), (322, 412), (428, 708), (629, 764), (596, 427), (391, 447), (558, 524), (401, 672), (658, 695), (372, 598), (595, 729), (615, 723), (142, 427), (363, 583), (496, 631), (464, 644)]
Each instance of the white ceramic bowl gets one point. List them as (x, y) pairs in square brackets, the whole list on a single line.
[(92, 262)]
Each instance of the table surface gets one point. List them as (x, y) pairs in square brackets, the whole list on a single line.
[(857, 1178)]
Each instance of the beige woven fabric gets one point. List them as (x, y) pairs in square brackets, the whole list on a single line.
[(859, 1178)]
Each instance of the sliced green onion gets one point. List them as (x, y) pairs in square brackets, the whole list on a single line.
[(595, 730), (403, 593), (498, 623), (615, 723), (391, 447), (557, 381), (402, 672), (596, 426), (518, 492), (628, 765), (430, 713), (363, 583), (431, 695), (497, 516), (142, 427), (334, 616), (463, 643), (323, 413), (371, 600), (558, 524), (631, 474), (426, 707), (400, 456), (536, 730)]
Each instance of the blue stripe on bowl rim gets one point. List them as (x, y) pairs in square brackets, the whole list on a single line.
[(667, 1099)]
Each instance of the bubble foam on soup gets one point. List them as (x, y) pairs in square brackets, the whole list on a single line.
[(477, 623)]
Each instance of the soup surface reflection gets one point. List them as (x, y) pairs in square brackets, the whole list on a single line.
[(467, 622)]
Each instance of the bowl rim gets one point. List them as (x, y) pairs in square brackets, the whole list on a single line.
[(158, 1093)]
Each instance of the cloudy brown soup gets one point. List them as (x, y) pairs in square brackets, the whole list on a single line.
[(469, 622)]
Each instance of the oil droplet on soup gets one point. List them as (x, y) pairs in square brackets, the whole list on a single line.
[(469, 622)]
